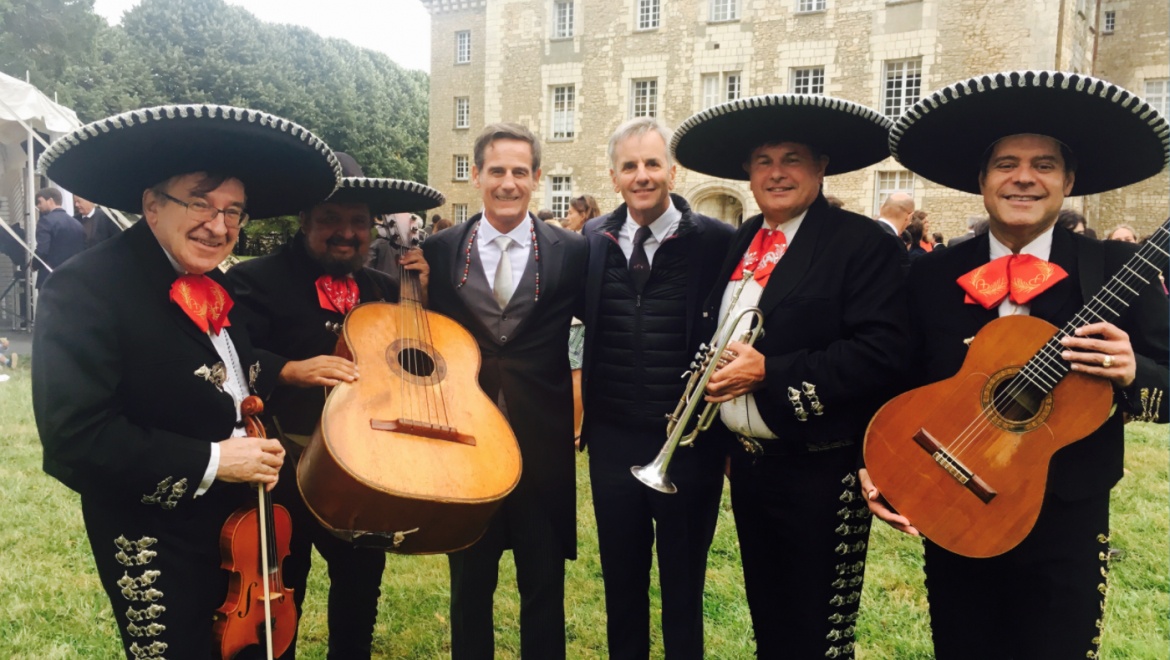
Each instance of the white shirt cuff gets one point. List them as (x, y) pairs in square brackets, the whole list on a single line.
[(209, 473)]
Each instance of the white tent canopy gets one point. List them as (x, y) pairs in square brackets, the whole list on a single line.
[(24, 112)]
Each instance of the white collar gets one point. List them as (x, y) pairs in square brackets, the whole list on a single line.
[(521, 233), (662, 227), (1040, 247), (789, 227)]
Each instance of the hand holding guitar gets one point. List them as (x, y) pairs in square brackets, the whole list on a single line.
[(1102, 350), (880, 508), (322, 370)]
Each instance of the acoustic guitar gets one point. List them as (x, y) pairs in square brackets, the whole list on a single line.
[(965, 460), (413, 457)]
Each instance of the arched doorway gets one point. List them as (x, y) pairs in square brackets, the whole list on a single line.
[(720, 205)]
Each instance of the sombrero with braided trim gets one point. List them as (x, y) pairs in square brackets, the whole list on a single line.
[(384, 195), (282, 165), (719, 140), (1117, 137)]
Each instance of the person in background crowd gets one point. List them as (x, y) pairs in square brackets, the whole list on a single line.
[(98, 226), (439, 225), (924, 242), (581, 210), (835, 202), (917, 230), (1124, 233), (59, 235), (896, 213), (545, 214)]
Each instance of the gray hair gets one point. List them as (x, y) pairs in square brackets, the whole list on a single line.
[(636, 127)]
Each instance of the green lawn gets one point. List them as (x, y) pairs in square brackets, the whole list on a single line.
[(53, 607)]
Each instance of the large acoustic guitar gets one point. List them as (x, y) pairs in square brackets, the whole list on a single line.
[(413, 457), (966, 459)]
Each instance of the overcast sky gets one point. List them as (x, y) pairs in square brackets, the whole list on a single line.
[(398, 28)]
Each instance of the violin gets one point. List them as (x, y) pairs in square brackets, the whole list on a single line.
[(254, 542)]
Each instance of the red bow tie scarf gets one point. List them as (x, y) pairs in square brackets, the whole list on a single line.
[(1020, 276), (203, 300), (762, 255), (337, 294)]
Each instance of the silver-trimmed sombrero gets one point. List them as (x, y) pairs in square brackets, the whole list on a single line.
[(111, 161), (719, 140), (1117, 137), (384, 195)]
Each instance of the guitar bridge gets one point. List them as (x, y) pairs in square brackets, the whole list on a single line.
[(423, 429), (954, 467)]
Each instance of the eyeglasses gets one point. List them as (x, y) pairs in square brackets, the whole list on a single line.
[(201, 211)]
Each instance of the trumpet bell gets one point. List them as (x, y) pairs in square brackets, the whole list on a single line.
[(654, 475)]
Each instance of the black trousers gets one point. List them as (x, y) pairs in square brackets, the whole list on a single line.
[(522, 525), (803, 530), (355, 575), (630, 517), (1045, 598)]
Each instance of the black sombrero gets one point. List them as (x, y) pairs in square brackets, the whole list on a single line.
[(111, 161), (1117, 137), (718, 141), (382, 194)]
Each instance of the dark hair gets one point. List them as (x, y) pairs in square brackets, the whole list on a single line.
[(835, 202), (1069, 219), (915, 230), (1066, 154), (937, 236), (506, 131), (439, 225), (49, 193), (209, 182), (586, 206), (545, 214)]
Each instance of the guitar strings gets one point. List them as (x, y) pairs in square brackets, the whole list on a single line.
[(1049, 356)]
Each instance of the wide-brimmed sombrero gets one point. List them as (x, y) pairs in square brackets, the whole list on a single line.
[(384, 195), (283, 166), (719, 140), (1117, 137)]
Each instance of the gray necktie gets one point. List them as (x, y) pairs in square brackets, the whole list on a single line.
[(503, 285)]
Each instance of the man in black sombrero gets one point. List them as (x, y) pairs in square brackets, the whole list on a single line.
[(291, 299), (141, 364), (1025, 141), (828, 283)]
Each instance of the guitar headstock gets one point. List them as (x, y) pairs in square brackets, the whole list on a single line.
[(404, 231)]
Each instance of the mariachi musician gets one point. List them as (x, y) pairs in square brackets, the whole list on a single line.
[(141, 364), (293, 302), (1026, 141), (829, 285)]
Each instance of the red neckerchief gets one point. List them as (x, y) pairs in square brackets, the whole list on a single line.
[(762, 255), (203, 300), (1021, 276), (337, 294)]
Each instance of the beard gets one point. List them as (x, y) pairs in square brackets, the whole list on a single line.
[(338, 267)]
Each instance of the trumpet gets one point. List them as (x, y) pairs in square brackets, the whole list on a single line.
[(707, 361)]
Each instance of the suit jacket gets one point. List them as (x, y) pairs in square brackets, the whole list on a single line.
[(834, 318), (705, 241), (98, 227), (59, 237), (277, 298), (531, 368), (941, 321), (125, 391)]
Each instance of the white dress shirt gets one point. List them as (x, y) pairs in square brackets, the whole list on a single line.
[(741, 415), (1040, 247), (489, 252), (660, 229)]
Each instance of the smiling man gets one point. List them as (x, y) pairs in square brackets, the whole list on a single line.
[(142, 363), (514, 282), (652, 261), (829, 286), (290, 300), (998, 136)]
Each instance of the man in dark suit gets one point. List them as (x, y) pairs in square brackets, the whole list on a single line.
[(652, 263), (514, 283), (1045, 598), (896, 213), (97, 225), (59, 235), (291, 299), (140, 371), (829, 284)]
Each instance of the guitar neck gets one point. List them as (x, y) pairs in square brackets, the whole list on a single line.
[(1047, 368)]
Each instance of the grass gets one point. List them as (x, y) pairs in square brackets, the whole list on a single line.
[(54, 608)]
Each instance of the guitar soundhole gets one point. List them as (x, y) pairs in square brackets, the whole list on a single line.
[(416, 362), (1016, 404)]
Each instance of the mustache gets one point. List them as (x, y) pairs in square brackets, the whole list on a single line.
[(337, 240)]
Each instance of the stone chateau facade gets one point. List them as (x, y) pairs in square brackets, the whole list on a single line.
[(573, 70)]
